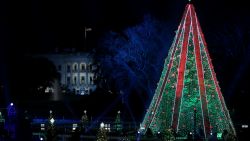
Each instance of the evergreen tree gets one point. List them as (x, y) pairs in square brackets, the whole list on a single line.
[(84, 120), (188, 82), (51, 129), (102, 133), (118, 124)]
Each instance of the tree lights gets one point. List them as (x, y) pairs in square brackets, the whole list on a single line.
[(188, 82)]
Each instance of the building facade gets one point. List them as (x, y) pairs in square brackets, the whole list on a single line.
[(76, 71)]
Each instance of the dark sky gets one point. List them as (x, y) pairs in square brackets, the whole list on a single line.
[(43, 25)]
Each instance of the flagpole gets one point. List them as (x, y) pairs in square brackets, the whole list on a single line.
[(86, 29)]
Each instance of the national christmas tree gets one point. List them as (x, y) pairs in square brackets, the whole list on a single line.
[(188, 97)]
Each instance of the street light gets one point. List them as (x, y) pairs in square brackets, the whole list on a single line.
[(52, 120), (74, 126), (102, 125), (42, 127)]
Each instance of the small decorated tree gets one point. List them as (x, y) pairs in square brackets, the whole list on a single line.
[(102, 133), (51, 129), (84, 120), (118, 124)]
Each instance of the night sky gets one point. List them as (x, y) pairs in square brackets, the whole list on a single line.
[(43, 25), (29, 27)]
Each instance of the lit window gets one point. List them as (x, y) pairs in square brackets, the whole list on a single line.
[(107, 127), (82, 80)]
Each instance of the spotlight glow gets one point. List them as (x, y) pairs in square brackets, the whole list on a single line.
[(52, 120), (102, 125), (244, 126)]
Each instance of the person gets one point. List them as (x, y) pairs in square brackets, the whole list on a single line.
[(189, 137), (2, 120), (230, 137), (224, 135), (213, 137), (149, 133), (1, 116)]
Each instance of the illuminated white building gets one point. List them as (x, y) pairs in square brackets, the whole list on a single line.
[(76, 71)]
